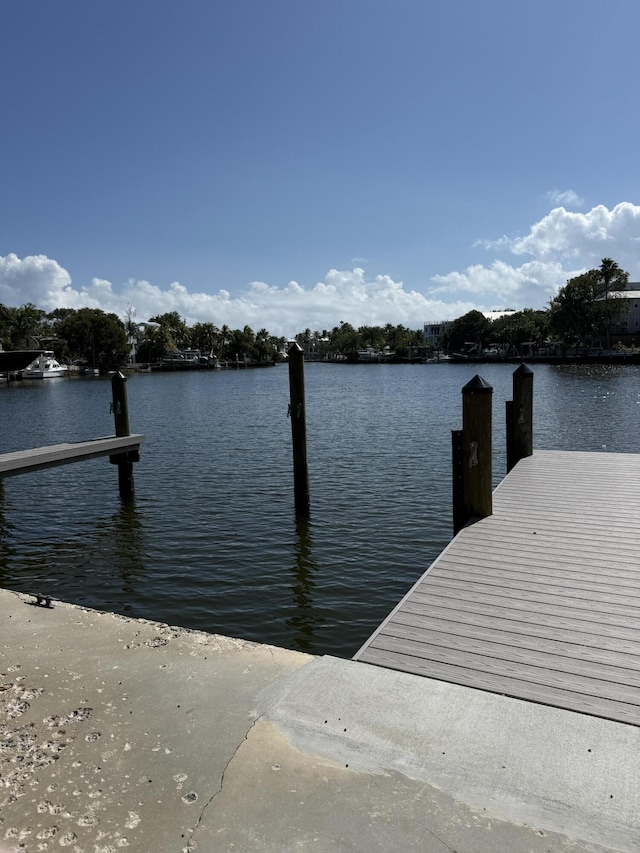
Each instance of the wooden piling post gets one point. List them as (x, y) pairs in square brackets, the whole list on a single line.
[(120, 408), (520, 417), (476, 453), (457, 481), (297, 412)]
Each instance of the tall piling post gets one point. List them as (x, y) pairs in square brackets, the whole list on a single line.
[(120, 409), (475, 454), (520, 417), (297, 413), (457, 481)]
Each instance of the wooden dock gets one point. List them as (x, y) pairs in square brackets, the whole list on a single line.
[(24, 461), (539, 601)]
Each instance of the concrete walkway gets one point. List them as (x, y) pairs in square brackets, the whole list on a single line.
[(125, 734)]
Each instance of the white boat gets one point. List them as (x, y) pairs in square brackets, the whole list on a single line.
[(371, 354), (45, 366)]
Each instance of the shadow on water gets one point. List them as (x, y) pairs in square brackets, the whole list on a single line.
[(305, 620), (7, 549), (114, 565), (92, 563), (125, 536)]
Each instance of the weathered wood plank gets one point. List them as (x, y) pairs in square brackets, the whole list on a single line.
[(25, 461)]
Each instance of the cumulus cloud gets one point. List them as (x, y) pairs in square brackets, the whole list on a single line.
[(531, 285), (36, 279), (588, 236), (566, 198), (559, 246), (344, 295), (563, 244)]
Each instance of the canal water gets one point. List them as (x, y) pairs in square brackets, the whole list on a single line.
[(210, 540)]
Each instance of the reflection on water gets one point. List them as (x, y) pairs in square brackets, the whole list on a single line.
[(7, 549), (122, 539), (305, 619)]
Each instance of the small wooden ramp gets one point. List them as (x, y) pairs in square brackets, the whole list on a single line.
[(540, 601)]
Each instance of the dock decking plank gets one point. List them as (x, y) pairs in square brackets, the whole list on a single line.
[(562, 575), (25, 461), (627, 640), (556, 611), (494, 669), (526, 637), (571, 588), (540, 601), (528, 593), (551, 655), (551, 561), (557, 545), (559, 697)]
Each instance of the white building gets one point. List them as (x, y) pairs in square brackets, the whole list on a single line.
[(628, 321), (434, 332)]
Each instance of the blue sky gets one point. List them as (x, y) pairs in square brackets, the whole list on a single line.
[(285, 164)]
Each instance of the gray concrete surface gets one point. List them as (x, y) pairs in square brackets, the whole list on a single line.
[(126, 734)]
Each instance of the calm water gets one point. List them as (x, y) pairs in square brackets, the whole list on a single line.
[(210, 540)]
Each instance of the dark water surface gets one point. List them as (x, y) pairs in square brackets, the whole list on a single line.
[(210, 540)]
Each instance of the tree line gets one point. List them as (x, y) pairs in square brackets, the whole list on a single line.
[(86, 336), (90, 336), (584, 312)]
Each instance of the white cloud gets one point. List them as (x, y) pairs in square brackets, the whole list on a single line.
[(500, 285), (566, 198), (562, 244), (344, 295), (588, 236), (36, 279)]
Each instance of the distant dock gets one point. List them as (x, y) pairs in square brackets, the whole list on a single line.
[(540, 600), (26, 461)]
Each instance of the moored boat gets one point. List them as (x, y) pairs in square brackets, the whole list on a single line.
[(14, 361), (46, 366)]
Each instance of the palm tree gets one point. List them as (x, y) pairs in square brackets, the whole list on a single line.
[(27, 325), (264, 346), (611, 279)]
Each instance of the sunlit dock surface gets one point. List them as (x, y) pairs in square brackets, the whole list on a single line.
[(541, 600)]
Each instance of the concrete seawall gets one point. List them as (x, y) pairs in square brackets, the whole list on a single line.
[(126, 734)]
